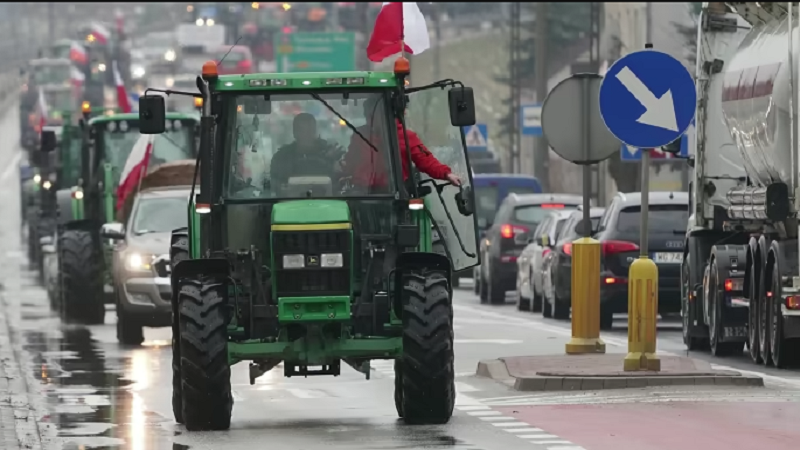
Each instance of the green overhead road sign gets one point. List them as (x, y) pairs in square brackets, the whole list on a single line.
[(315, 52)]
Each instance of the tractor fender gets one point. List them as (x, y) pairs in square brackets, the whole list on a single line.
[(64, 209), (424, 259), (195, 267)]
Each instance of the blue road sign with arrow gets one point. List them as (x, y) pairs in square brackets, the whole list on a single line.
[(647, 99)]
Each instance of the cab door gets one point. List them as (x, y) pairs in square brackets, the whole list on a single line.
[(428, 115)]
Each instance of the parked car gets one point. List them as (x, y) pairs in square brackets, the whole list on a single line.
[(490, 191), (508, 235), (557, 266), (529, 263), (618, 234)]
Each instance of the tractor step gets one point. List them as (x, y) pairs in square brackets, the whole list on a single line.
[(304, 371)]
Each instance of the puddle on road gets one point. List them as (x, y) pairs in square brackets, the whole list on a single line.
[(90, 393)]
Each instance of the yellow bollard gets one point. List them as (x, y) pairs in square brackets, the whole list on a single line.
[(642, 316), (585, 298)]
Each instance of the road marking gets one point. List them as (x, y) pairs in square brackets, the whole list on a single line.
[(496, 418), (510, 424), (13, 164), (485, 413)]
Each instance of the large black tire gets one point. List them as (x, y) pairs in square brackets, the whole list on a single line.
[(205, 373), (764, 323), (753, 335), (398, 387), (428, 377), (178, 251), (716, 312), (784, 351), (496, 294), (129, 332), (81, 268)]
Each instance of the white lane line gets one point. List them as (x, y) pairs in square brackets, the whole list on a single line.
[(13, 164), (484, 413), (496, 418), (525, 430), (473, 408), (551, 442), (542, 436), (510, 424), (565, 447)]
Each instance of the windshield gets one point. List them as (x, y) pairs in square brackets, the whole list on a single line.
[(292, 146), (534, 214), (58, 101), (172, 145), (160, 215), (487, 199), (52, 74), (665, 219)]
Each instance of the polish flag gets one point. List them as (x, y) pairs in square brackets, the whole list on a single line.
[(100, 33), (135, 168), (398, 24), (42, 110), (77, 53), (123, 101)]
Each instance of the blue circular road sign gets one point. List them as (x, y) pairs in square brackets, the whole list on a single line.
[(647, 99)]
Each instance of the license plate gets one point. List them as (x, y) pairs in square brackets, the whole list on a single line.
[(668, 257)]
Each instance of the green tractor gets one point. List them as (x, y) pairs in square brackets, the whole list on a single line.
[(106, 143), (305, 266)]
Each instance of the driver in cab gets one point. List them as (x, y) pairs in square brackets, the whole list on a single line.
[(308, 155)]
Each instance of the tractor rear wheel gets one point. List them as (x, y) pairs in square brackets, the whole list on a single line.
[(178, 251), (205, 373), (428, 383), (81, 270), (398, 388)]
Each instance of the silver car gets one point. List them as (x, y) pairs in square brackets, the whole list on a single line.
[(143, 295), (530, 262)]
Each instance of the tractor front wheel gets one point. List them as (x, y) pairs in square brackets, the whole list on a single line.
[(205, 373), (81, 263), (428, 383), (178, 251)]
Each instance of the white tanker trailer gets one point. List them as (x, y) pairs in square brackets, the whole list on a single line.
[(740, 277)]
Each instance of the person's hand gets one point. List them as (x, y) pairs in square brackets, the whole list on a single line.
[(453, 178)]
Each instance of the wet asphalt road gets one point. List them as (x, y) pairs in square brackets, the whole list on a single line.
[(87, 391)]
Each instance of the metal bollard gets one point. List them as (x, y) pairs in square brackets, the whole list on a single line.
[(585, 298), (642, 316)]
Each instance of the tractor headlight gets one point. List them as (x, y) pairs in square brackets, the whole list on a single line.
[(293, 261), (137, 262), (332, 260)]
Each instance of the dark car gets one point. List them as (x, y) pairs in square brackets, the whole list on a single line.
[(508, 235), (618, 234), (557, 276)]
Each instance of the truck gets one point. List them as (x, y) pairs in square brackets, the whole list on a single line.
[(309, 266), (740, 284)]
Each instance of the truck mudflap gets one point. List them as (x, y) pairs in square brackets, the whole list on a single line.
[(731, 263)]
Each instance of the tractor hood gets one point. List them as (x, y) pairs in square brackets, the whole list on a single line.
[(302, 212)]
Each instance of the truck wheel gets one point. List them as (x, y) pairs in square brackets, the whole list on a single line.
[(178, 251), (428, 376), (715, 326), (783, 351), (398, 387), (606, 319), (561, 308), (495, 294), (82, 281), (484, 294), (128, 331), (764, 322), (205, 373), (753, 343)]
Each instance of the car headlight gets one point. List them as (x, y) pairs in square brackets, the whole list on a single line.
[(332, 260), (138, 72), (170, 55), (293, 261), (138, 262)]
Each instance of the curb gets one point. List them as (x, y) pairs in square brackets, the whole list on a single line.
[(496, 369)]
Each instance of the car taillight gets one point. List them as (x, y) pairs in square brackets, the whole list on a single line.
[(244, 65), (508, 231), (567, 248), (614, 247), (734, 284)]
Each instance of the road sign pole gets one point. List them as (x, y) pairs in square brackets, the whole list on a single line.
[(643, 290), (586, 254)]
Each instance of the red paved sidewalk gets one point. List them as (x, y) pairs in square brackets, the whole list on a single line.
[(669, 425)]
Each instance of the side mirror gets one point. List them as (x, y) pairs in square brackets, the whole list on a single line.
[(49, 141), (462, 106), (464, 201), (152, 114), (113, 230)]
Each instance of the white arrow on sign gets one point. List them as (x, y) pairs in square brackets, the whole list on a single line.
[(659, 112), (631, 150)]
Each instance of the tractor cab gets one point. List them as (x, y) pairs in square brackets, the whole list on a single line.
[(317, 250), (51, 72)]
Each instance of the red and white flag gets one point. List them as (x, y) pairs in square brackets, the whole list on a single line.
[(77, 53), (398, 24), (42, 109), (123, 101), (135, 168), (100, 33)]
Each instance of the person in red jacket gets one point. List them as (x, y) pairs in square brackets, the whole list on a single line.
[(369, 168)]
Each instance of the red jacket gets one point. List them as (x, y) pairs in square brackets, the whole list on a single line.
[(368, 167)]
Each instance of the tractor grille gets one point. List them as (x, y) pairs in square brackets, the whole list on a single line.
[(311, 279)]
